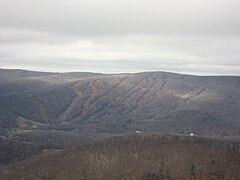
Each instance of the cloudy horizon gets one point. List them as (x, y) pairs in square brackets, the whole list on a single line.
[(198, 37)]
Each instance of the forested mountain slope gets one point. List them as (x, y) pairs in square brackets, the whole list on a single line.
[(146, 102)]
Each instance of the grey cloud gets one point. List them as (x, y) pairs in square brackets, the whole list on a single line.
[(188, 36), (13, 35), (94, 17)]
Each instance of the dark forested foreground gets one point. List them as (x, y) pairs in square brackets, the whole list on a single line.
[(140, 157)]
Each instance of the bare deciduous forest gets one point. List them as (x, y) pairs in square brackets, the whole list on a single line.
[(135, 157)]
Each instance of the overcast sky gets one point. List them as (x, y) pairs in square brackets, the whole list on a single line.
[(186, 36)]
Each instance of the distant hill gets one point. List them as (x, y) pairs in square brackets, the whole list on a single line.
[(139, 157), (94, 104)]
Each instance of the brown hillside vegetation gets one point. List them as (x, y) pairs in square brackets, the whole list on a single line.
[(148, 102), (135, 157)]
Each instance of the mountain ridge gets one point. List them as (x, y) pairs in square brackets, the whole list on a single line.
[(127, 102), (56, 110)]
